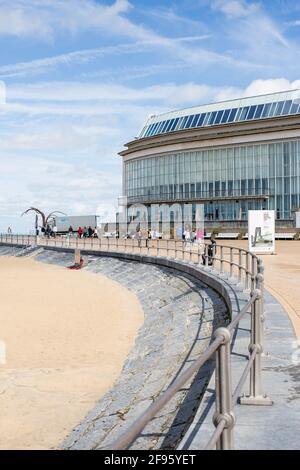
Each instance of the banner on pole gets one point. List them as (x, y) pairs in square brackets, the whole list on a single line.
[(261, 231)]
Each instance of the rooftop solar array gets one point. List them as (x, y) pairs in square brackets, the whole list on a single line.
[(226, 112)]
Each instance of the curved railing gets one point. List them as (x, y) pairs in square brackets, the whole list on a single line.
[(227, 261)]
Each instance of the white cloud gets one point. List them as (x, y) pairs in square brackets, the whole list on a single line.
[(236, 8), (257, 87), (252, 26), (46, 18)]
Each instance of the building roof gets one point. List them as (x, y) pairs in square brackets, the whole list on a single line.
[(225, 112)]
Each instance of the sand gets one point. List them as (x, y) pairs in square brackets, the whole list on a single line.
[(66, 336)]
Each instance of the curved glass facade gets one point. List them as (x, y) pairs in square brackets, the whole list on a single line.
[(259, 176)]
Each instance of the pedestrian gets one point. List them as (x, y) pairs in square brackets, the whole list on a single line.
[(9, 231), (54, 231), (95, 234), (139, 237), (48, 231), (211, 252), (187, 235), (70, 231), (80, 232), (90, 232)]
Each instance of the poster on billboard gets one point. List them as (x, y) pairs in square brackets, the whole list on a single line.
[(261, 231)]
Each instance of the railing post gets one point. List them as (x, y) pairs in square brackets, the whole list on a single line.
[(222, 261), (206, 255), (240, 266), (256, 396), (253, 273), (260, 270), (231, 261), (247, 269), (224, 405)]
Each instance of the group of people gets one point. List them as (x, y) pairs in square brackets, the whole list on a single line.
[(48, 231), (85, 232)]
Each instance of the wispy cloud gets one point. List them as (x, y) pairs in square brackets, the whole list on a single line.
[(45, 18), (252, 26)]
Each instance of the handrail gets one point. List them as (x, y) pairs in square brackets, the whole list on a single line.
[(225, 400)]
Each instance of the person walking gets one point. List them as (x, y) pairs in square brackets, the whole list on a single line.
[(211, 252), (54, 231), (9, 231), (70, 231), (48, 231), (80, 232), (90, 232)]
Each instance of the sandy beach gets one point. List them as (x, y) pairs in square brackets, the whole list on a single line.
[(66, 336)]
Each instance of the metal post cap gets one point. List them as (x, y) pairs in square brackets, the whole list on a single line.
[(228, 417), (222, 331)]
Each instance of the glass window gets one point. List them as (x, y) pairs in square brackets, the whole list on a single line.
[(251, 112), (232, 115), (225, 116), (241, 116), (169, 125), (212, 118), (164, 126), (258, 111), (279, 108), (155, 128), (160, 127), (149, 130), (286, 107), (294, 108), (189, 121), (195, 119), (182, 123), (146, 131), (266, 110), (174, 124), (206, 119), (201, 119), (272, 109), (179, 124), (219, 117), (143, 132)]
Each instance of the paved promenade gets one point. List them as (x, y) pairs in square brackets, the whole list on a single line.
[(282, 275), (260, 427)]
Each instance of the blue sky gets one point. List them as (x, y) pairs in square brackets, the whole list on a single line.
[(81, 77)]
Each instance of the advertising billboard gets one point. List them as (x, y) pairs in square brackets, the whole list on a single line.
[(261, 231)]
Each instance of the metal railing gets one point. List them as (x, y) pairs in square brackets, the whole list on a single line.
[(236, 263)]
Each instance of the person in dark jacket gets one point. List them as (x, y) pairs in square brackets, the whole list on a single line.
[(211, 252)]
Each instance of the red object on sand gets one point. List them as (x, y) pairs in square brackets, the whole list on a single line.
[(77, 266)]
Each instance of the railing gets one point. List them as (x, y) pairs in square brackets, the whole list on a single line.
[(236, 263)]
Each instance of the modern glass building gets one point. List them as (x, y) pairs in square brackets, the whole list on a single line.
[(231, 156)]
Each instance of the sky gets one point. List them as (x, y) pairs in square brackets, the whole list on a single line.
[(82, 76)]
